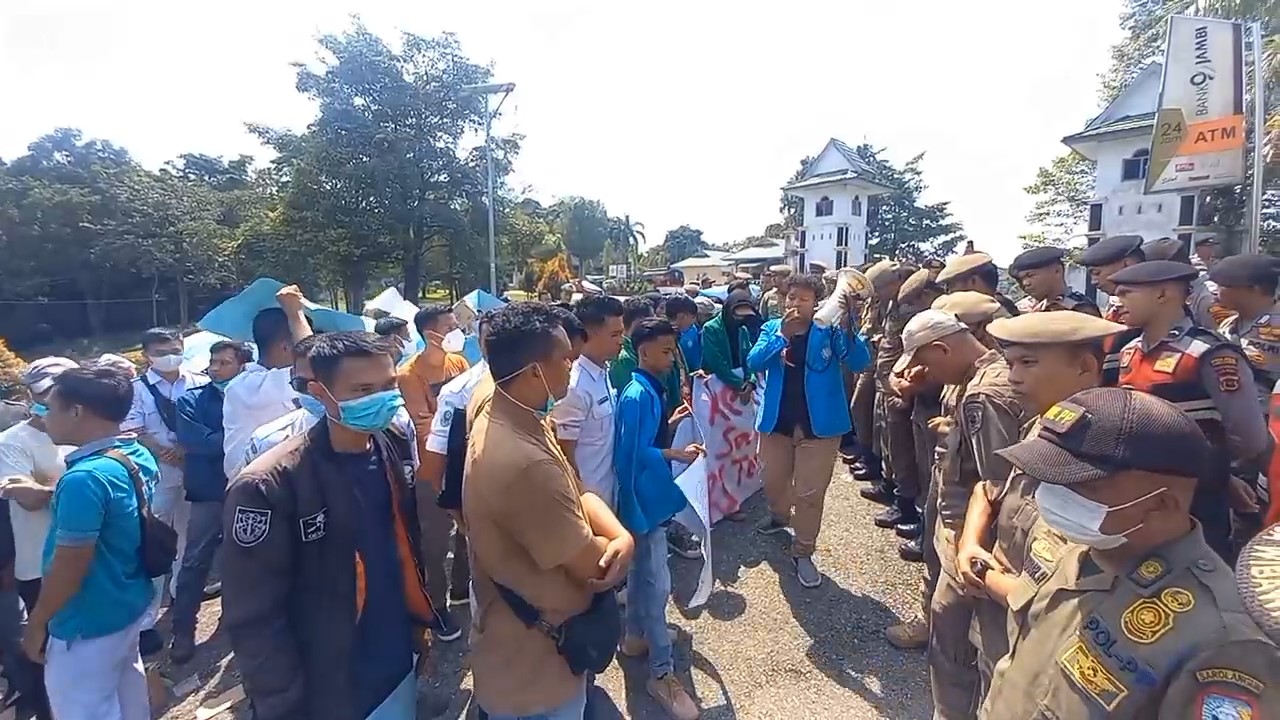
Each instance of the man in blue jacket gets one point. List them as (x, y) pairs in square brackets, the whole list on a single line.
[(648, 498), (200, 436), (803, 415)]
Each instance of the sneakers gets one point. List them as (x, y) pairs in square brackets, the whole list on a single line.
[(673, 698), (464, 598), (448, 629), (213, 590), (807, 573), (888, 518), (181, 649), (771, 525), (685, 545), (912, 550), (910, 635)]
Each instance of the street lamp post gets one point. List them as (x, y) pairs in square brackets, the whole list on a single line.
[(502, 89)]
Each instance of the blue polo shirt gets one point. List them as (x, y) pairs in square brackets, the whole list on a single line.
[(94, 504)]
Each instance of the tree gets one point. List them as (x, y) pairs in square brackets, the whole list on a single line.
[(683, 242), (1062, 190), (625, 239), (899, 224), (584, 225)]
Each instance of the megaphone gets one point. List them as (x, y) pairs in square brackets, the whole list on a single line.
[(850, 285)]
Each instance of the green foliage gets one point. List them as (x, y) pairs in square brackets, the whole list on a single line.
[(683, 242), (1062, 190), (584, 225), (899, 224)]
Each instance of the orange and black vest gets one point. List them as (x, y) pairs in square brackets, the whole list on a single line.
[(1112, 346), (1171, 370)]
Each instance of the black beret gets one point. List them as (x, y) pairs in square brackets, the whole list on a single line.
[(1035, 258), (1245, 270), (1154, 271), (1110, 250), (389, 325)]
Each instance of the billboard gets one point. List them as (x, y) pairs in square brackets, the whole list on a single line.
[(1199, 139)]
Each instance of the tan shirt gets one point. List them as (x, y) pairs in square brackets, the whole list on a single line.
[(1165, 637), (525, 521)]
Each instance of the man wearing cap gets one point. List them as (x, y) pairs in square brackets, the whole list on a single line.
[(976, 310), (817, 267), (1041, 274), (774, 279), (988, 418), (975, 271), (1205, 254), (1136, 618), (1247, 288), (865, 406), (1052, 356), (1202, 374), (1103, 259), (692, 289), (1202, 299)]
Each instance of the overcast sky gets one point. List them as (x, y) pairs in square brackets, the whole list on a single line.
[(673, 112)]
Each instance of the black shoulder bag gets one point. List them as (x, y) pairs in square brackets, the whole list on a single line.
[(168, 410), (587, 641), (159, 547)]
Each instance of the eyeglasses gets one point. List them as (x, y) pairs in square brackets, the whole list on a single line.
[(299, 383)]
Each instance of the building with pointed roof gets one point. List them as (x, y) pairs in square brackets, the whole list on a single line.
[(835, 188), (1118, 141)]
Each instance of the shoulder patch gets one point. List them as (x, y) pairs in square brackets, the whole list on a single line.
[(1149, 572), (250, 525), (1088, 672), (1062, 416), (1227, 706), (312, 527), (1148, 619), (1256, 357), (1126, 356), (1269, 332), (1227, 367), (1234, 677), (973, 416)]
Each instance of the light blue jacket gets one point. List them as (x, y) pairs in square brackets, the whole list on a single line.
[(823, 379), (647, 492)]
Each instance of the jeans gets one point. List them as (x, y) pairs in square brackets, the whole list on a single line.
[(648, 590), (99, 678), (204, 536), (574, 709)]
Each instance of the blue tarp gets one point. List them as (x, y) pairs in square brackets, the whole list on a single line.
[(481, 300), (234, 316)]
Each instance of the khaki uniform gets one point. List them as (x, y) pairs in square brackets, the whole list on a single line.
[(1260, 339), (897, 442), (1070, 300), (771, 304), (1167, 637), (865, 404), (948, 406), (988, 419)]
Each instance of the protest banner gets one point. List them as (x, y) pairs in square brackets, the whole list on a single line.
[(725, 426), (697, 518)]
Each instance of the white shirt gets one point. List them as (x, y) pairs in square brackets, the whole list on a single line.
[(298, 422), (585, 416), (254, 398), (144, 416), (454, 396), (27, 451)]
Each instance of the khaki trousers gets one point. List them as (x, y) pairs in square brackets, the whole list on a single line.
[(863, 410), (900, 447), (953, 672), (797, 471)]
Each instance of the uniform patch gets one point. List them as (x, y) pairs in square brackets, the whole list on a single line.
[(1227, 706), (1043, 550), (1148, 619), (312, 526), (1255, 357), (1062, 416), (1097, 632), (1149, 572), (1090, 675), (250, 525), (1227, 368), (1177, 599), (1235, 677), (1126, 356), (1269, 332), (973, 416), (1167, 362)]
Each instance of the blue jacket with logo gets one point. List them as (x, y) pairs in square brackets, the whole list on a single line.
[(199, 433), (647, 492), (823, 379)]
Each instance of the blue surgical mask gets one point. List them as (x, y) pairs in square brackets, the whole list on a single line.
[(311, 405), (371, 413), (39, 409)]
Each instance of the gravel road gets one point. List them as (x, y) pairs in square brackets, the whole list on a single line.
[(763, 647)]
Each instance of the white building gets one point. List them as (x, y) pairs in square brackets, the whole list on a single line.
[(710, 263), (1118, 141), (835, 188)]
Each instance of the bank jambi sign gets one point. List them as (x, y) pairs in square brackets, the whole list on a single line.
[(1198, 140)]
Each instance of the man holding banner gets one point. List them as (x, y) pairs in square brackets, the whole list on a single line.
[(803, 415)]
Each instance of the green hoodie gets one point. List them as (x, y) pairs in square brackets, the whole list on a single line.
[(620, 375), (716, 358)]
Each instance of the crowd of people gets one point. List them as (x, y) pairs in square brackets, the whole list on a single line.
[(1086, 488)]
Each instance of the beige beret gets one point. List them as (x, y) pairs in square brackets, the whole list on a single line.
[(783, 270), (883, 273), (970, 306), (963, 265), (913, 285), (1052, 328), (742, 275), (818, 266)]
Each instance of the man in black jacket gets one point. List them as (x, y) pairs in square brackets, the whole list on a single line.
[(323, 592)]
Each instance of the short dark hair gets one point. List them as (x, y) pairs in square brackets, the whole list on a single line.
[(812, 283), (483, 320), (389, 325), (989, 274), (593, 310), (635, 308), (302, 348), (429, 315), (520, 334), (160, 335), (651, 329), (242, 353), (573, 327), (677, 304), (104, 390), (270, 326), (655, 299), (739, 285), (328, 350)]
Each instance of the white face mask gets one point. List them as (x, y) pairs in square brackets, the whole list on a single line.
[(1080, 519), (165, 363), (454, 341)]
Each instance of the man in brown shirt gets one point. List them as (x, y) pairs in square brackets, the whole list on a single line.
[(530, 526)]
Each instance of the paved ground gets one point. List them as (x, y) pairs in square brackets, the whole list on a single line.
[(762, 648)]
